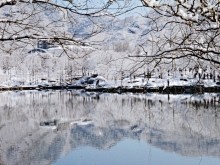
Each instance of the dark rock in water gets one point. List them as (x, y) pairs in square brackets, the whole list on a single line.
[(94, 76), (86, 120), (217, 83), (134, 127), (49, 123)]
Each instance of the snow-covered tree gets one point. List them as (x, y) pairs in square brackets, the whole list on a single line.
[(183, 29), (66, 26), (177, 29)]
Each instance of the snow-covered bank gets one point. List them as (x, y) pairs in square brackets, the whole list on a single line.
[(137, 85)]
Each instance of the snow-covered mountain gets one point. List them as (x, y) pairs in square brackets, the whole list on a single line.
[(119, 34)]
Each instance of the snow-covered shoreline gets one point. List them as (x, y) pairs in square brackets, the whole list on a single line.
[(97, 83)]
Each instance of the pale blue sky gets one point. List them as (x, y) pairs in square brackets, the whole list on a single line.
[(97, 4)]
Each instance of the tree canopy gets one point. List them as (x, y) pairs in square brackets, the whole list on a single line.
[(184, 29)]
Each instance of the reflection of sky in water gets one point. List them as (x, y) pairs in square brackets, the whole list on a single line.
[(130, 152)]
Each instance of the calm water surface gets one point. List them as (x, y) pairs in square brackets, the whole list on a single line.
[(74, 127)]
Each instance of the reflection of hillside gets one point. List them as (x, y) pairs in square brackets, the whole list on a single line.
[(188, 144), (172, 123)]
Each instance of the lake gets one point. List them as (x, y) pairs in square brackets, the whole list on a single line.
[(76, 127)]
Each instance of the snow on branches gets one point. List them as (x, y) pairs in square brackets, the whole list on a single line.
[(187, 28)]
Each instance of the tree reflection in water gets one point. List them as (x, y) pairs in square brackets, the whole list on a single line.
[(38, 127)]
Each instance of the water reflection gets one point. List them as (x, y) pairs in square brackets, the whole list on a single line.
[(39, 127)]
